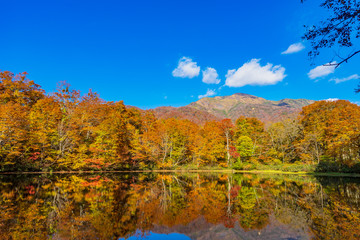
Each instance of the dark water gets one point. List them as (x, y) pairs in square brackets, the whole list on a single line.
[(179, 206)]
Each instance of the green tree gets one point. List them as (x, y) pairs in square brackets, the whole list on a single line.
[(254, 129), (245, 147)]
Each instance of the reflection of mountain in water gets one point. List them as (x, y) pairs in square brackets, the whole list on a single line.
[(200, 229), (200, 206)]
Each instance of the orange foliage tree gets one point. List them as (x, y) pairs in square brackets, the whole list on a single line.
[(334, 126)]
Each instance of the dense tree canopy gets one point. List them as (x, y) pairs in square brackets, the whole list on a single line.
[(67, 131)]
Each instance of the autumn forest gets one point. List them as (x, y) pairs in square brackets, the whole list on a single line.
[(66, 130)]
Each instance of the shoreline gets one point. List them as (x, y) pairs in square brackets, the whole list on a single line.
[(329, 174)]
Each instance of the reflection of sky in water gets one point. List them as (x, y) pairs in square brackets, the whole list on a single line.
[(167, 206), (156, 236)]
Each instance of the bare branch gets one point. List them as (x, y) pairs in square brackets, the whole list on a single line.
[(344, 60), (340, 28)]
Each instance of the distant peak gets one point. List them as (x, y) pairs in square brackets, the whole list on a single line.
[(242, 94), (245, 95)]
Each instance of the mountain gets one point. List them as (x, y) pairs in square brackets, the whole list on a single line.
[(200, 229), (187, 112), (234, 106), (241, 104)]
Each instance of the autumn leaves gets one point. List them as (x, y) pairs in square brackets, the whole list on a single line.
[(67, 131)]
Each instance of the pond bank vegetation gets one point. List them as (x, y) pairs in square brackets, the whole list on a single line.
[(67, 131)]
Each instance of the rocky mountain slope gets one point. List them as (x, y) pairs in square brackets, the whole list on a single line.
[(187, 112), (234, 106), (200, 229), (247, 105)]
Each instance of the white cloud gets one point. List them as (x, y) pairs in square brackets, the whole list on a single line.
[(321, 71), (208, 93), (293, 48), (331, 99), (340, 80), (186, 68), (210, 76), (252, 73)]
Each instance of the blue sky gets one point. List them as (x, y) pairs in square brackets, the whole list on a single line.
[(157, 236), (129, 50)]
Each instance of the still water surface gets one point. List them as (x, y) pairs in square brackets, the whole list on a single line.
[(179, 206)]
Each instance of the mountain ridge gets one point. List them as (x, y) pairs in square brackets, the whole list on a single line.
[(233, 106), (241, 104)]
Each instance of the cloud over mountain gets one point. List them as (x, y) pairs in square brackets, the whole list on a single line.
[(252, 73), (340, 80), (186, 68), (321, 71), (208, 93), (210, 76)]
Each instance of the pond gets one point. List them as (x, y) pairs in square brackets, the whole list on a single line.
[(178, 206)]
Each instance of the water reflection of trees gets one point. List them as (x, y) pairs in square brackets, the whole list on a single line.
[(113, 206)]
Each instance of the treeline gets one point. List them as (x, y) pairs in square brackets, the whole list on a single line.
[(67, 131)]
